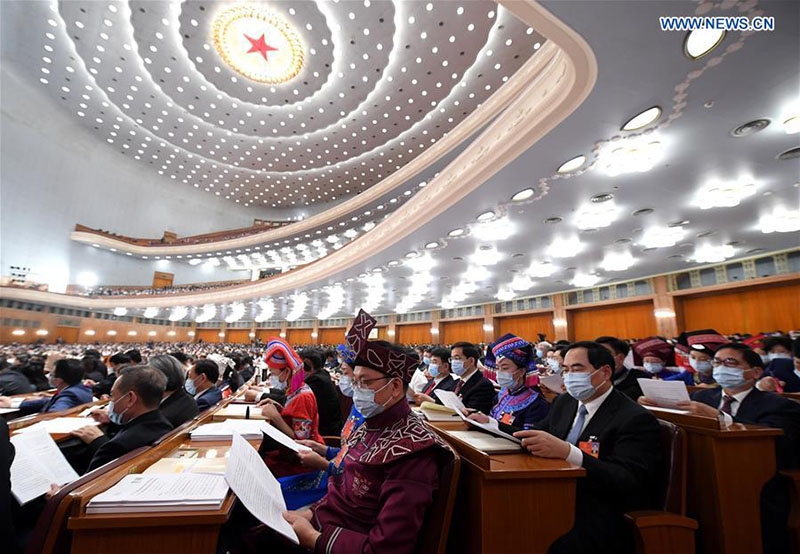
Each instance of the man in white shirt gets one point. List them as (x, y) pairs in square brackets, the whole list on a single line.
[(617, 441)]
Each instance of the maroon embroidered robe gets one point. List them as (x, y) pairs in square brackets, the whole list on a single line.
[(378, 505)]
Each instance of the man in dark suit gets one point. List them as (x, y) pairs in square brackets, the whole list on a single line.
[(474, 389), (736, 369), (135, 398), (616, 441), (439, 368), (319, 381), (176, 406), (625, 380), (201, 382), (66, 379), (115, 365), (12, 381)]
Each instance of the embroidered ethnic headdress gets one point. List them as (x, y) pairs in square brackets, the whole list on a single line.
[(756, 341), (512, 347), (653, 346), (346, 354), (376, 356), (280, 355), (707, 340)]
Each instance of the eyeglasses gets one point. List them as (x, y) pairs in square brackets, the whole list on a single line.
[(727, 362), (362, 382)]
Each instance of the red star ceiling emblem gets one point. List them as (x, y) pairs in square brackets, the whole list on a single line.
[(259, 45)]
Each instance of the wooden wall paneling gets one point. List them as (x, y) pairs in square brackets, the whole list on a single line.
[(526, 326), (67, 334), (207, 335), (743, 310), (633, 320), (299, 336), (332, 335), (470, 330), (240, 336), (415, 333), (265, 334)]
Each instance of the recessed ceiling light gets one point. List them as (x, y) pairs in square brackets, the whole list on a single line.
[(754, 251), (792, 125), (679, 223), (410, 255), (523, 195), (571, 165), (705, 234), (486, 216), (749, 128), (433, 244), (790, 154), (643, 211), (700, 42), (455, 233), (643, 119), (553, 220), (605, 197), (393, 263), (622, 241)]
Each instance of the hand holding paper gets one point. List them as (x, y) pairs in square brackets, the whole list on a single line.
[(664, 393)]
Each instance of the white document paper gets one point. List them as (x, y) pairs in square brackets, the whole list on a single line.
[(668, 410), (224, 429), (451, 400), (37, 464), (552, 382), (240, 410), (59, 425), (491, 427), (15, 402), (162, 492), (8, 410), (257, 488), (278, 436), (664, 393)]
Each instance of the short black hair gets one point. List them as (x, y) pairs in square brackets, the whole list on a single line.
[(69, 370), (772, 342), (209, 368), (441, 353), (118, 359), (597, 353), (617, 345), (752, 359), (314, 357), (172, 370), (92, 352), (134, 355), (180, 356), (469, 350), (796, 348), (146, 381)]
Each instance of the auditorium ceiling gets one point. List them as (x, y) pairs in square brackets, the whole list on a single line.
[(711, 175)]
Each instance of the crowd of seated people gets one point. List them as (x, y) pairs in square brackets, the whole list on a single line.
[(154, 387), (172, 289), (194, 239)]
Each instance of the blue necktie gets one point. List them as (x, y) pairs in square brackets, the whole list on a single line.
[(575, 432)]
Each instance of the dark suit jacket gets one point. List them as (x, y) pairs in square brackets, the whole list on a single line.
[(142, 431), (72, 396), (784, 370), (770, 410), (624, 477), (477, 393), (14, 382), (104, 386), (179, 407), (448, 383), (629, 386), (330, 415), (209, 398)]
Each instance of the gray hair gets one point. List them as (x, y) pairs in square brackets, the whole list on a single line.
[(172, 369), (146, 381)]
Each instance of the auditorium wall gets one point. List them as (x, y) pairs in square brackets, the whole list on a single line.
[(56, 173)]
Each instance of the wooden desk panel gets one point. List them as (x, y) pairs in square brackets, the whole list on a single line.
[(501, 495), (727, 468)]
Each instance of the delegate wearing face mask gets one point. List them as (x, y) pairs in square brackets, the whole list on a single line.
[(364, 400)]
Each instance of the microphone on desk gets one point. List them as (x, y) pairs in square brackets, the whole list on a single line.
[(247, 412)]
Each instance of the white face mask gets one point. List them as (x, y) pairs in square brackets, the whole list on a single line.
[(276, 383)]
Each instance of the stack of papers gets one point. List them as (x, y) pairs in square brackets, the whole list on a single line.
[(188, 465), (487, 443), (250, 429), (38, 463), (59, 425), (161, 493), (435, 412)]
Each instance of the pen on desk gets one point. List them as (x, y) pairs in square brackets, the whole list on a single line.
[(247, 413)]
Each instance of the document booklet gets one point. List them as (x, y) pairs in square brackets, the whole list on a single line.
[(250, 429), (491, 427), (38, 463), (487, 443), (59, 425), (451, 400), (665, 393), (172, 492)]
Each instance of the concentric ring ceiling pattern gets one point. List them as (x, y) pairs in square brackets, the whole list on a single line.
[(379, 83)]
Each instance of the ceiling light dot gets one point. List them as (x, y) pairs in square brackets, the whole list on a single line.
[(642, 119), (456, 233), (571, 165), (523, 195), (486, 216), (700, 42)]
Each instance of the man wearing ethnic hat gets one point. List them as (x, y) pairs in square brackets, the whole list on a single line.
[(391, 470)]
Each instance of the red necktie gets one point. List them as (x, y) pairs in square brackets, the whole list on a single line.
[(458, 386), (429, 388), (726, 404)]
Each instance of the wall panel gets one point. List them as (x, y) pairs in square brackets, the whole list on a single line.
[(299, 336), (334, 335), (464, 330), (265, 334), (416, 333), (742, 310), (527, 326), (240, 336), (628, 321), (208, 335)]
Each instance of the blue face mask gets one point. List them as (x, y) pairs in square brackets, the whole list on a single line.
[(113, 416), (364, 400), (458, 367), (539, 353), (433, 369), (729, 377), (554, 365), (653, 368), (190, 386), (506, 379), (426, 361), (579, 385), (700, 366), (346, 385)]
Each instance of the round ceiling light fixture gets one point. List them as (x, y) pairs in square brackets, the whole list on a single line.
[(258, 44), (749, 128), (700, 42), (523, 195), (571, 165), (643, 119)]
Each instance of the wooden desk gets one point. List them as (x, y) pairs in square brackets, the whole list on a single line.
[(727, 468), (509, 502), (21, 422)]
